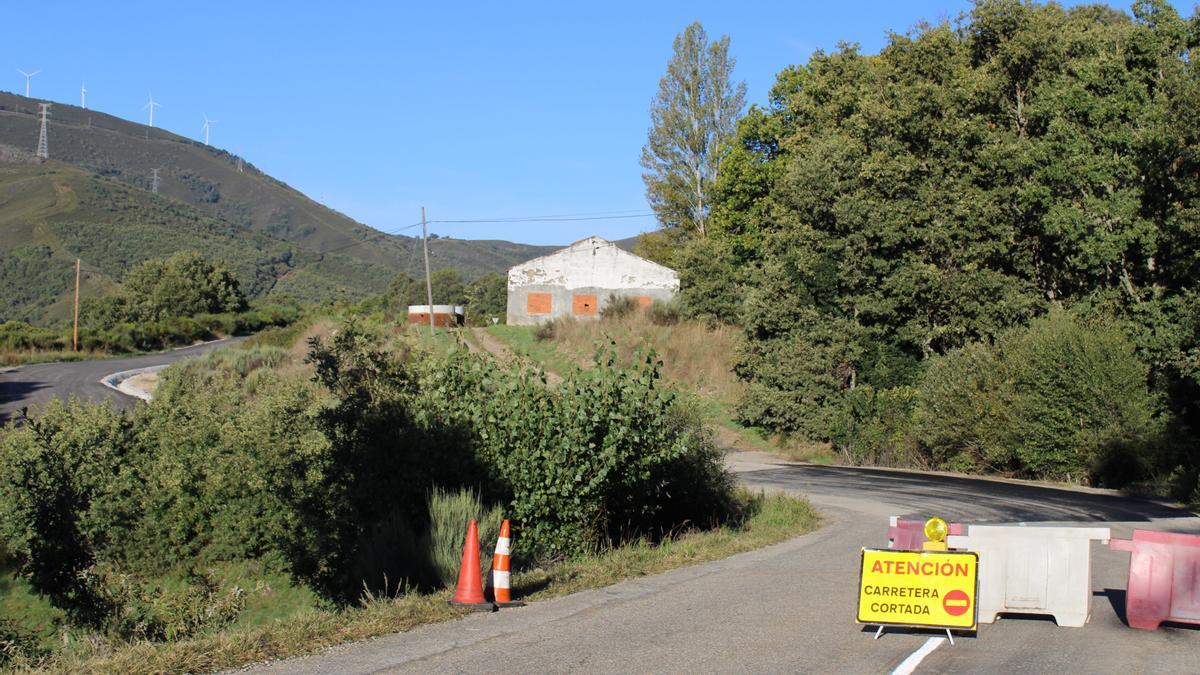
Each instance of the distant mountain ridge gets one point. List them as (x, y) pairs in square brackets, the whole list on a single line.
[(93, 200)]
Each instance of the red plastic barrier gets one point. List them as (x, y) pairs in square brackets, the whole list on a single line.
[(909, 535), (1164, 578)]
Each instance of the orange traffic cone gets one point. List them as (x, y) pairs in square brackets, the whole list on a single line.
[(469, 593), (500, 580)]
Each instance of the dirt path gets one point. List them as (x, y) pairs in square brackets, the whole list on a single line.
[(481, 341)]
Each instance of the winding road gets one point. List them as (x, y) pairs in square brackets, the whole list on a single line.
[(31, 386), (790, 607)]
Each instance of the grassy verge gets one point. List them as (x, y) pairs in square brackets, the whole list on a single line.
[(309, 629), (522, 341)]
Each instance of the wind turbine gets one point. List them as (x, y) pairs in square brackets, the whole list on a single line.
[(28, 76), (207, 123), (83, 95), (152, 105)]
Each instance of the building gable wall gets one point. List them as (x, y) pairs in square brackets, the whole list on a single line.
[(578, 281)]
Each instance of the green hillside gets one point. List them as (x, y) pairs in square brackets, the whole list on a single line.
[(92, 200)]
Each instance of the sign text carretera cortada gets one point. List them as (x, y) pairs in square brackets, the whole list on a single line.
[(918, 588)]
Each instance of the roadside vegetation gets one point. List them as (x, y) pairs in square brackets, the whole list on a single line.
[(271, 500), (988, 266), (164, 303), (484, 299), (698, 359)]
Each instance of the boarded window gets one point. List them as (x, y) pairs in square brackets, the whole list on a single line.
[(643, 301), (584, 304), (538, 303)]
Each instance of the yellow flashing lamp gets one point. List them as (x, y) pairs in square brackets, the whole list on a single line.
[(936, 529)]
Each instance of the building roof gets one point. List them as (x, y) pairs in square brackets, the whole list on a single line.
[(628, 270)]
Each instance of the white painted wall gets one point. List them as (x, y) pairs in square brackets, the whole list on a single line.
[(593, 263), (591, 267)]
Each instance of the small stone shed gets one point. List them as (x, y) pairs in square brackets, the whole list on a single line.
[(579, 279)]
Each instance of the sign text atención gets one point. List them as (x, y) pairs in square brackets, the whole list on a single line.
[(918, 588)]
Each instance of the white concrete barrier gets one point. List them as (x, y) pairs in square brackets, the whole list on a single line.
[(1033, 570)]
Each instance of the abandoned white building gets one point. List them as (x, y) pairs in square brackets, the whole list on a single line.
[(579, 279)]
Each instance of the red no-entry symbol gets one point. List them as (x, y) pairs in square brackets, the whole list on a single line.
[(956, 603)]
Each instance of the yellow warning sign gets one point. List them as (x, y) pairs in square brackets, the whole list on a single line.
[(933, 589)]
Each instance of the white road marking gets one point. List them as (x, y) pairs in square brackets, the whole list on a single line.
[(914, 659)]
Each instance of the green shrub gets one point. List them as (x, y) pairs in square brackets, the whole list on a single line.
[(619, 307), (797, 382), (228, 468), (68, 483), (1062, 399), (666, 312), (185, 284), (546, 330), (593, 462), (377, 465), (966, 413), (875, 426), (487, 298), (17, 336)]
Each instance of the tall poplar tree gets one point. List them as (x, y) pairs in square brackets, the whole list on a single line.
[(693, 125)]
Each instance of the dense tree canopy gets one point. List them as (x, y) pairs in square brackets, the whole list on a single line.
[(884, 210), (447, 286), (487, 297), (185, 284)]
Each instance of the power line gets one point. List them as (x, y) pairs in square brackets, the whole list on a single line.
[(363, 241), (546, 219), (559, 218)]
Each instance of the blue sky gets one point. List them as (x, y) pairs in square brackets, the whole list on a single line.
[(474, 110)]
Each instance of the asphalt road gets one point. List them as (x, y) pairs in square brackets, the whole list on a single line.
[(790, 607), (31, 386)]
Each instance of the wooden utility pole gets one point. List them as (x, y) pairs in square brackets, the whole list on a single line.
[(75, 330), (428, 280)]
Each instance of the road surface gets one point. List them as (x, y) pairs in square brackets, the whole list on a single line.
[(790, 607), (30, 386)]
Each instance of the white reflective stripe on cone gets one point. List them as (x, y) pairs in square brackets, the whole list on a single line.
[(502, 545), (501, 579)]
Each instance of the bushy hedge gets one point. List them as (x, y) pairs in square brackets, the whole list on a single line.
[(128, 337), (345, 480), (19, 337), (1063, 399), (608, 455)]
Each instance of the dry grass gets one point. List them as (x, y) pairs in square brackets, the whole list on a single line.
[(695, 357), (697, 360), (323, 329), (779, 517), (24, 357)]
